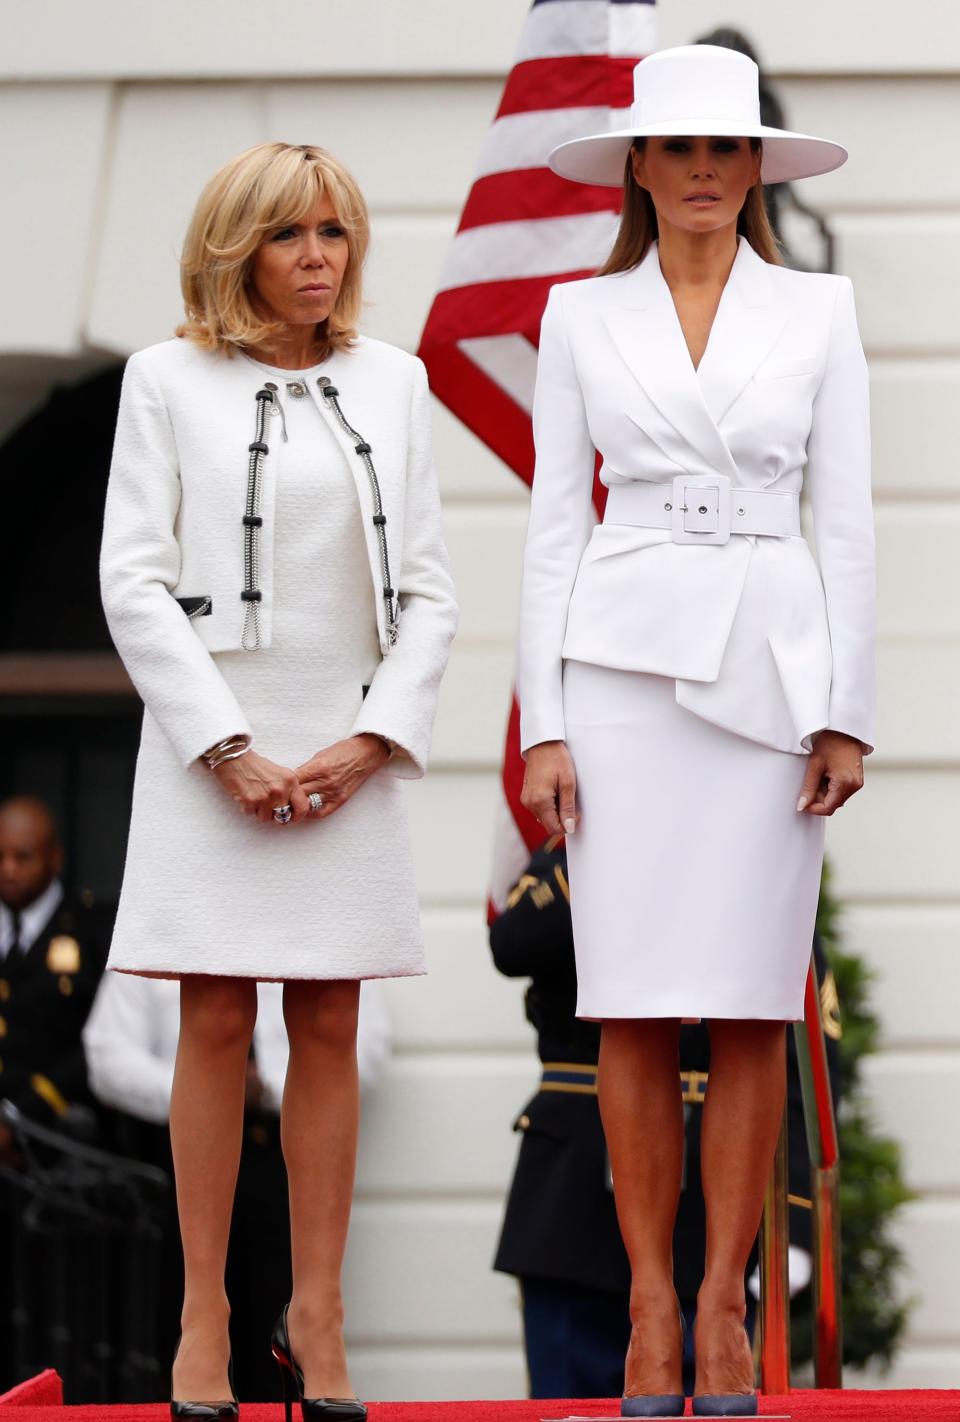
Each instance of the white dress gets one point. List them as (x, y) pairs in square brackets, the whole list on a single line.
[(208, 889), (693, 879)]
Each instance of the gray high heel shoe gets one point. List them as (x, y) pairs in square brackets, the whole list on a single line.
[(725, 1404), (663, 1404), (657, 1404)]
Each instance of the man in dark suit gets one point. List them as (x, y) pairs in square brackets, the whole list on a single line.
[(560, 1235), (52, 954)]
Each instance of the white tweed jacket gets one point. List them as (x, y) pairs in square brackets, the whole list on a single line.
[(173, 531)]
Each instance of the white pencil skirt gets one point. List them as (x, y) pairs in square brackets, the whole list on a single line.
[(693, 879)]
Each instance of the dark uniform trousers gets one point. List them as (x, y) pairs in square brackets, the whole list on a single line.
[(45, 996), (560, 1235)]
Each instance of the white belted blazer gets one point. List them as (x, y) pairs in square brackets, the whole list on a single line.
[(760, 639), (173, 530)]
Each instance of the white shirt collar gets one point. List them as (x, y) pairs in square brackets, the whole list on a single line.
[(33, 919)]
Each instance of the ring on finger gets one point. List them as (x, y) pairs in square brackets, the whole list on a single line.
[(283, 814), (316, 803)]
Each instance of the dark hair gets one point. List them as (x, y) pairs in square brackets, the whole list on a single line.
[(638, 221)]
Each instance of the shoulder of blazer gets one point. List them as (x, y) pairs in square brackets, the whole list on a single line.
[(380, 358), (591, 290), (788, 278), (788, 284), (168, 362), (814, 292), (178, 353)]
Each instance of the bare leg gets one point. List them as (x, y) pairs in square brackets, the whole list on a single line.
[(320, 1122), (741, 1122), (642, 1110), (217, 1017)]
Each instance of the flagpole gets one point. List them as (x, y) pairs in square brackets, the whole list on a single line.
[(822, 1140)]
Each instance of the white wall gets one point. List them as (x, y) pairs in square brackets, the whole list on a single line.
[(131, 108)]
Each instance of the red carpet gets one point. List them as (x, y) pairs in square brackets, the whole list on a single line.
[(45, 1390), (879, 1406)]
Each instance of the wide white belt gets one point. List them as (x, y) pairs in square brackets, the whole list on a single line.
[(704, 508)]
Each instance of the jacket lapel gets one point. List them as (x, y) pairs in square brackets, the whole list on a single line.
[(646, 331), (747, 326)]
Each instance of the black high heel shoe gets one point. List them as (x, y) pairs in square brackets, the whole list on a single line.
[(314, 1409), (207, 1411)]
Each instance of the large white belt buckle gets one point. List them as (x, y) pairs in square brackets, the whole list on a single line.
[(701, 508)]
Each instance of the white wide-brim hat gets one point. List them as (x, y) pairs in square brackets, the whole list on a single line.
[(692, 91)]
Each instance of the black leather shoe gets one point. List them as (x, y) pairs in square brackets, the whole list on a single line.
[(314, 1409), (207, 1411)]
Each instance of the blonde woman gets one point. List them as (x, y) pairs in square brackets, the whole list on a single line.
[(275, 580), (696, 693)]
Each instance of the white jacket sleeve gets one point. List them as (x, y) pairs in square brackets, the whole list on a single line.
[(374, 1035), (561, 521), (270, 1042), (402, 700), (140, 565), (374, 1039), (838, 477), (126, 1063)]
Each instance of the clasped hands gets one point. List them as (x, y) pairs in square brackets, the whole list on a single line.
[(258, 785)]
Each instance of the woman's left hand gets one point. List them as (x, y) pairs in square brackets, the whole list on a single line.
[(834, 773), (338, 771)]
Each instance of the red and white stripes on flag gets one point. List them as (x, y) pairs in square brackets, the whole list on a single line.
[(523, 229)]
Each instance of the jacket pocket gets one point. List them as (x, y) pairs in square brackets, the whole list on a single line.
[(196, 606), (781, 369)]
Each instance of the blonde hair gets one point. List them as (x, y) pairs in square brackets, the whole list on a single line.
[(638, 222), (260, 191)]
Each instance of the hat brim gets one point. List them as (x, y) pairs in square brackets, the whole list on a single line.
[(600, 157)]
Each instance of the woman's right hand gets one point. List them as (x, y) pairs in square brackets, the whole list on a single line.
[(550, 787), (258, 786)]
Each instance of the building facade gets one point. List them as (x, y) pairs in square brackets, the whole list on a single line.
[(111, 118)]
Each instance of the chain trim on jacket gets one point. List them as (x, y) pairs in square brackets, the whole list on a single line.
[(330, 394), (252, 524)]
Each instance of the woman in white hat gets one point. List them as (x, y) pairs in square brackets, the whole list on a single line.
[(692, 714)]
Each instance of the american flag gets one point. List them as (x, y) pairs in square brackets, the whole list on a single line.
[(523, 229)]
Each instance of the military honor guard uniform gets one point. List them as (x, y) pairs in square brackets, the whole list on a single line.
[(560, 1235), (52, 954)]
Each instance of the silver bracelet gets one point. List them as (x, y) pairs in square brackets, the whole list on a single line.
[(228, 749)]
